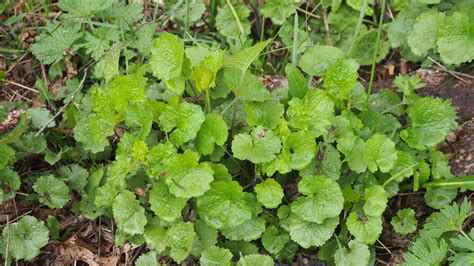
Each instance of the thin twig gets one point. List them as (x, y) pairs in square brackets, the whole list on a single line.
[(326, 27), (308, 13), (21, 86), (8, 240), (239, 24), (380, 242), (16, 63), (64, 106), (15, 93), (453, 73)]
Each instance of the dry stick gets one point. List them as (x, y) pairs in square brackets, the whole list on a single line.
[(16, 63), (64, 106), (453, 73), (21, 86), (385, 247), (15, 93), (19, 217), (308, 13), (8, 240), (326, 27)]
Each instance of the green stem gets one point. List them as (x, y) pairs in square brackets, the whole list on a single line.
[(393, 177), (294, 55), (374, 59), (208, 101), (359, 24), (239, 24)]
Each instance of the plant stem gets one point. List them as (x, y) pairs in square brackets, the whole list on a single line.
[(208, 101), (374, 59), (393, 177), (359, 24), (294, 53), (241, 29)]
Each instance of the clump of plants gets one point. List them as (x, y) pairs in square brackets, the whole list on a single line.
[(187, 152)]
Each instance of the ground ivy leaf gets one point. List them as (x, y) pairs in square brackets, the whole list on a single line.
[(147, 259), (256, 259), (269, 193), (240, 248), (7, 154), (155, 235), (250, 230), (455, 39), (258, 113), (298, 149), (358, 254), (375, 201), (129, 214), (138, 117), (216, 256), (260, 146), (206, 237), (122, 90), (380, 153), (405, 221), (341, 78), (41, 117), (431, 119), (317, 60), (213, 131), (312, 113), (323, 199), (404, 165), (159, 159), (278, 10), (180, 239), (76, 175), (331, 163), (223, 206), (439, 197), (352, 147), (164, 204), (52, 191), (186, 177), (9, 184), (274, 240), (92, 131), (440, 167), (182, 122), (308, 234), (25, 238), (423, 36), (167, 57), (365, 229)]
